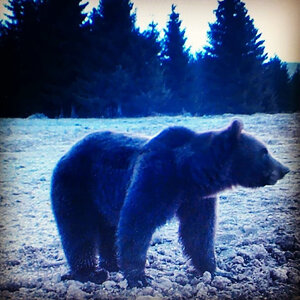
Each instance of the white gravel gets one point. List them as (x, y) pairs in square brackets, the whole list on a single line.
[(257, 238)]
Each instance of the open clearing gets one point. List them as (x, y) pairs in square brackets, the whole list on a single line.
[(257, 238)]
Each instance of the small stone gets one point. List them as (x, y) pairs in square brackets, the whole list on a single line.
[(289, 255), (109, 284), (89, 287), (177, 295), (245, 254), (201, 286), (238, 260), (123, 284), (212, 290), (286, 242), (248, 229), (118, 277), (195, 281), (157, 240), (259, 251), (74, 293), (161, 251), (10, 286), (220, 282), (279, 274), (206, 277), (187, 291), (256, 263), (13, 262), (297, 254), (157, 296), (60, 288), (294, 276), (181, 279), (228, 254), (279, 256), (226, 238), (242, 277), (148, 291), (164, 284), (202, 294), (147, 298)]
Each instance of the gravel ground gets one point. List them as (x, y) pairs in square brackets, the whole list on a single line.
[(257, 238)]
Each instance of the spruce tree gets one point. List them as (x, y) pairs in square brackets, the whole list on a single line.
[(43, 47), (63, 52), (277, 74), (19, 47), (295, 90), (118, 31), (123, 74), (234, 62), (176, 62)]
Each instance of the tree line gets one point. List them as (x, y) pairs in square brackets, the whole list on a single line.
[(59, 61)]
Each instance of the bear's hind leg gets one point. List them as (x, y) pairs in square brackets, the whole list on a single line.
[(79, 235), (197, 218), (107, 246)]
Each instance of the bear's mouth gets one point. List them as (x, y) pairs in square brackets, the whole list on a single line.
[(274, 177), (272, 180)]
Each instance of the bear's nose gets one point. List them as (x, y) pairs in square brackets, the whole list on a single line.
[(284, 170)]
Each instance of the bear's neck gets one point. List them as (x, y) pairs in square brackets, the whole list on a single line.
[(213, 176)]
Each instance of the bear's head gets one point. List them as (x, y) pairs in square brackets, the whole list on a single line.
[(215, 160), (252, 164)]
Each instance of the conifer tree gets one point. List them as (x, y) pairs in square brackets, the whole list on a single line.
[(118, 30), (43, 47), (63, 52), (123, 70), (295, 90), (234, 62), (176, 62), (277, 74), (20, 52)]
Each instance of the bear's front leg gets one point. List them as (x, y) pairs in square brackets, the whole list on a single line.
[(197, 218), (133, 238), (150, 201), (139, 218)]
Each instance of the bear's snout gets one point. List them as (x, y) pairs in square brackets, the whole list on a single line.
[(278, 173), (283, 171)]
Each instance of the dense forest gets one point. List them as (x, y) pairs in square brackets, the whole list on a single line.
[(59, 61)]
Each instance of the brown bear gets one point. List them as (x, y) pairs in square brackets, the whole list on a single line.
[(111, 191)]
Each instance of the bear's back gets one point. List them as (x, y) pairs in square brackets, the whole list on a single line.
[(98, 168), (108, 149)]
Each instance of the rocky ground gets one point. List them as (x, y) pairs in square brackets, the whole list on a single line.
[(257, 238)]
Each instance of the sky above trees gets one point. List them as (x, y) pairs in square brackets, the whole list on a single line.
[(277, 20)]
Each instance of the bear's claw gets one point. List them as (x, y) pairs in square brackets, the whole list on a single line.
[(98, 276)]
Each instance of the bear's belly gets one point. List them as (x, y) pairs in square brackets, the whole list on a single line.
[(111, 192)]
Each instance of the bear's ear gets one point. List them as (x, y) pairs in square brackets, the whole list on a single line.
[(235, 128)]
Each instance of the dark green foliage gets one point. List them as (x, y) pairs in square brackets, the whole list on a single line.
[(199, 82), (122, 76), (295, 90), (234, 62), (63, 45), (19, 51), (277, 74), (176, 63), (60, 62), (43, 47)]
